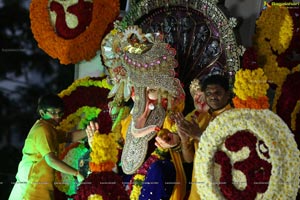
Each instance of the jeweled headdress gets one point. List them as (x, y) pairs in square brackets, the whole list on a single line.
[(145, 60)]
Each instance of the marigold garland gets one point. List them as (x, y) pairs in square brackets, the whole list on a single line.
[(250, 83), (80, 118), (137, 188), (251, 87), (95, 197), (258, 103), (104, 182), (102, 167), (84, 102), (104, 152), (276, 75), (136, 183), (85, 82), (76, 114), (271, 20), (82, 47)]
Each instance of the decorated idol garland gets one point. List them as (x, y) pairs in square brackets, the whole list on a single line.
[(103, 183), (248, 153), (84, 101), (71, 30)]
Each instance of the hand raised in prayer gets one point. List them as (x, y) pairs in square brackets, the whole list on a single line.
[(186, 128)]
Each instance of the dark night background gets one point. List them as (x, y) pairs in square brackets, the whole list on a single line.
[(26, 72)]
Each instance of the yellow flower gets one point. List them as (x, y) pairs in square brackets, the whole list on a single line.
[(95, 197), (250, 84), (136, 189), (114, 31), (82, 116), (269, 39), (104, 149), (86, 82), (274, 19), (266, 126)]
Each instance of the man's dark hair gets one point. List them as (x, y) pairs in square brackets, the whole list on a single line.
[(217, 79), (50, 101)]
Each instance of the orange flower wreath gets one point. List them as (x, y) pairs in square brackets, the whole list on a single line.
[(82, 46)]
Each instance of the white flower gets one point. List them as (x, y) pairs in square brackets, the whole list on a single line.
[(279, 144)]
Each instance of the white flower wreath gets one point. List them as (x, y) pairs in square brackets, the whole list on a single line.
[(266, 126)]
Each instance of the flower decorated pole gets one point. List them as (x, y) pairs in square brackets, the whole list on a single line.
[(102, 182), (86, 99)]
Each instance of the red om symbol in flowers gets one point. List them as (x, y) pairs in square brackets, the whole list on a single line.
[(82, 10), (256, 170)]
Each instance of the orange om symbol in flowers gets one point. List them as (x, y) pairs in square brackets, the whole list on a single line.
[(82, 10), (256, 170)]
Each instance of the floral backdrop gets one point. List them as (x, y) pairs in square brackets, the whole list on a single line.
[(276, 50), (272, 64)]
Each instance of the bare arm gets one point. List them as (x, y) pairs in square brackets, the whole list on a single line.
[(187, 130), (52, 160), (188, 151), (187, 148), (76, 135)]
